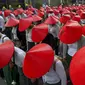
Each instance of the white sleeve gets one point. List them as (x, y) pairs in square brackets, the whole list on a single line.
[(61, 72), (6, 38)]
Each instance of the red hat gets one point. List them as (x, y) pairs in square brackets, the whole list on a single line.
[(83, 30), (65, 18), (20, 11), (0, 12), (29, 12), (24, 24), (82, 15), (6, 52), (49, 10), (7, 12), (36, 18), (65, 11), (72, 14), (71, 32), (12, 22), (76, 18), (39, 32), (56, 12), (15, 12), (51, 20), (77, 68), (40, 14), (38, 61), (42, 9)]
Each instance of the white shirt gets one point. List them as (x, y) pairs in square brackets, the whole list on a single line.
[(14, 32), (2, 22), (72, 49), (51, 14), (12, 15), (24, 15), (53, 77), (19, 56), (54, 30), (82, 21), (2, 40), (29, 35)]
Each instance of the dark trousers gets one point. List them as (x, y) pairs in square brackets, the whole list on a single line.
[(53, 84), (30, 45), (68, 59), (1, 73), (23, 79), (56, 46)]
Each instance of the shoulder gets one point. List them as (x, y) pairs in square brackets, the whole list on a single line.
[(4, 37), (57, 60)]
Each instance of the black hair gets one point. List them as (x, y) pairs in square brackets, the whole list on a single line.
[(0, 29), (49, 39)]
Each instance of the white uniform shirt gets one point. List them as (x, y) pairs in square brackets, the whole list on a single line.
[(3, 39), (82, 21), (14, 32), (2, 22), (24, 15), (29, 35), (51, 14), (53, 77), (54, 30), (12, 15), (19, 56), (72, 49)]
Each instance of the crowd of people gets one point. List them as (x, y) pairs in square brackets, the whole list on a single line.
[(38, 46)]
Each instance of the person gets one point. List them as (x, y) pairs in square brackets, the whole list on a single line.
[(6, 69), (54, 30), (19, 55), (10, 7), (56, 75)]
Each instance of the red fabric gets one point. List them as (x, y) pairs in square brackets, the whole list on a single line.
[(7, 13), (51, 20), (38, 61), (65, 11), (20, 11), (82, 15), (72, 14), (0, 12), (65, 18), (15, 12), (71, 32), (6, 53), (83, 30), (76, 18), (56, 12), (41, 14), (39, 32), (24, 24), (77, 68), (35, 18), (12, 22)]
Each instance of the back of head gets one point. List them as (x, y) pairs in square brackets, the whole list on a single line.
[(49, 39)]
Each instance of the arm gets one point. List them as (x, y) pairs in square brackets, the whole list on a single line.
[(61, 72), (64, 50), (6, 39)]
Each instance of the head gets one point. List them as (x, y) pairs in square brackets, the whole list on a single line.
[(10, 6), (49, 39)]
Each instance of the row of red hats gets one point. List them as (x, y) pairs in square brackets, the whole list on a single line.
[(40, 30), (39, 58), (70, 29)]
